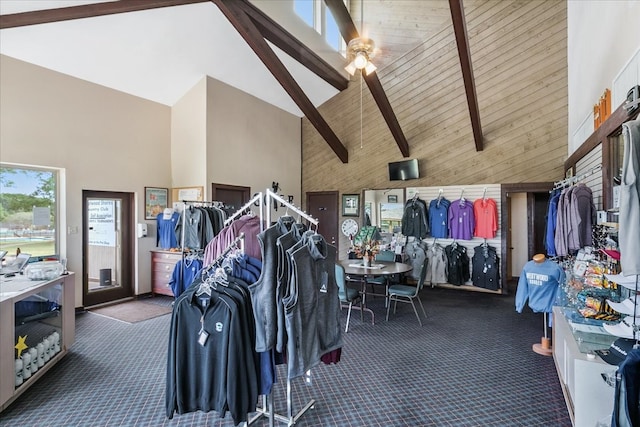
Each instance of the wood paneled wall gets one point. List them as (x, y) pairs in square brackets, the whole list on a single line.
[(519, 57)]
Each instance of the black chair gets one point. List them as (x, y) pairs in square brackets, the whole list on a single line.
[(347, 295), (407, 293)]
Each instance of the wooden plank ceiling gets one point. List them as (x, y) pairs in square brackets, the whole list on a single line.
[(400, 24)]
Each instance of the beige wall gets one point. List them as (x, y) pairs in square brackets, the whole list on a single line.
[(104, 139), (189, 139), (107, 140), (251, 143), (520, 67)]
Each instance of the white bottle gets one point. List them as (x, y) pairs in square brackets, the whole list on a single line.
[(34, 360), (19, 367), (47, 350), (40, 348), (26, 365)]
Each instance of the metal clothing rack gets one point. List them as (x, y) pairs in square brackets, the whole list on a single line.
[(272, 195), (184, 207), (233, 245), (267, 408), (256, 198), (573, 179)]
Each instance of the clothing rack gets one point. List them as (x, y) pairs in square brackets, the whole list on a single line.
[(256, 198), (233, 245), (272, 195), (183, 219), (290, 419), (572, 180)]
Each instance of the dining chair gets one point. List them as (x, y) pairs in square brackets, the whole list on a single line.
[(407, 293), (347, 295), (382, 280)]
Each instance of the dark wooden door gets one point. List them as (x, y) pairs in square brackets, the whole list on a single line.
[(323, 205), (537, 206), (233, 196), (108, 246)]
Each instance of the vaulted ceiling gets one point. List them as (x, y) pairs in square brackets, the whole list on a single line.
[(159, 49)]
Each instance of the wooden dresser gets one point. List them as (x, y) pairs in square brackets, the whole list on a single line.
[(162, 265)]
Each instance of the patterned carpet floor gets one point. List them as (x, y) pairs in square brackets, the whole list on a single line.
[(471, 364)]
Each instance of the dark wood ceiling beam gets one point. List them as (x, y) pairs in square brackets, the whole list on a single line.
[(460, 30), (349, 32), (286, 42), (250, 33), (85, 11)]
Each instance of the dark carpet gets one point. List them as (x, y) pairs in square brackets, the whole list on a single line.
[(471, 364)]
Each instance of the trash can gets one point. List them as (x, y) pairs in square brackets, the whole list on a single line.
[(105, 277)]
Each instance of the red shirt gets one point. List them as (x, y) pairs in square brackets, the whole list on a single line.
[(486, 215)]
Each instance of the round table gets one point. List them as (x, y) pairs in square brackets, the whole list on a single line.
[(356, 268)]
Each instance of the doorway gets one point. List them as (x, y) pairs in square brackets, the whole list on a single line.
[(323, 205), (108, 246), (524, 216), (232, 196)]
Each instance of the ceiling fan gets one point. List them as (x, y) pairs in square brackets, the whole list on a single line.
[(361, 50)]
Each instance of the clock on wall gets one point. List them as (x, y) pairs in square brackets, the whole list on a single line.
[(349, 227)]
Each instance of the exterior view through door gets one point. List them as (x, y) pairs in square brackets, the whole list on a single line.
[(108, 242)]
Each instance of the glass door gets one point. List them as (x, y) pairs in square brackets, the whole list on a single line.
[(108, 246)]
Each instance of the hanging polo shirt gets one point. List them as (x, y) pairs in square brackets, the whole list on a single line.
[(486, 216), (461, 219)]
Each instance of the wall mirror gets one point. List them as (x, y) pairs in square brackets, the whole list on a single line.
[(384, 208)]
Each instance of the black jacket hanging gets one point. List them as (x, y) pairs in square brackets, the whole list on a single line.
[(458, 264)]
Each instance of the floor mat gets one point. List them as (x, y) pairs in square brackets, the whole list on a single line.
[(132, 311)]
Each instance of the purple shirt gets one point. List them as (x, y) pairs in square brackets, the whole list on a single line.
[(461, 219)]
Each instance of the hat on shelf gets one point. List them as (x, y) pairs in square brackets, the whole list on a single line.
[(629, 282), (624, 329), (617, 351), (615, 254), (624, 307)]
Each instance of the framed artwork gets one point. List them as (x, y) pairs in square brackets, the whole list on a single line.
[(155, 201), (350, 205), (392, 198)]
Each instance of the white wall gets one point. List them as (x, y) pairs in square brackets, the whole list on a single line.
[(602, 36)]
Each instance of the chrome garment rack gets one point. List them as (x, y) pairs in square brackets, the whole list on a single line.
[(256, 198), (573, 179), (267, 404)]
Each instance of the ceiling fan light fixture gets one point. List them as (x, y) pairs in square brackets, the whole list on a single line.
[(360, 51), (361, 60), (370, 68), (351, 68)]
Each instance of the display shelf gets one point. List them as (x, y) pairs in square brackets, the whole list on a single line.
[(37, 319), (580, 371)]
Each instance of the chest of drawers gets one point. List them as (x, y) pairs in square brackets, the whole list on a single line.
[(162, 265)]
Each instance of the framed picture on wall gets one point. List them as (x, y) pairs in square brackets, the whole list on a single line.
[(155, 201), (350, 205)]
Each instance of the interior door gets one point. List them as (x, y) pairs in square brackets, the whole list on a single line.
[(233, 196), (323, 205), (107, 246)]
